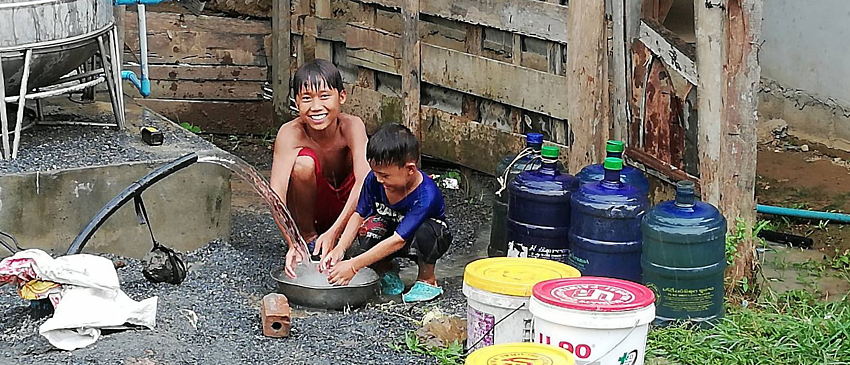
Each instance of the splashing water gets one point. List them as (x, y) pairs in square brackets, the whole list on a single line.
[(279, 211)]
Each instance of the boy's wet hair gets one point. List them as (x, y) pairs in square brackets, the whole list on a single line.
[(393, 144), (311, 74)]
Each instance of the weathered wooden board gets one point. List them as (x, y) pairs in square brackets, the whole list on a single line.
[(471, 144), (172, 22), (373, 107), (411, 51), (586, 55), (503, 82), (674, 51), (371, 39), (217, 116), (527, 17), (209, 90), (280, 45), (206, 72), (177, 38)]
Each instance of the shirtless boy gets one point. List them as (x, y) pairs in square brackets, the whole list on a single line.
[(319, 160)]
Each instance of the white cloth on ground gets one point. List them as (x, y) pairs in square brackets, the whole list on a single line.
[(91, 299)]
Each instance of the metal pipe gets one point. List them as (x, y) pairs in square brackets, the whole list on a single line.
[(135, 189), (4, 119), (800, 213), (22, 103)]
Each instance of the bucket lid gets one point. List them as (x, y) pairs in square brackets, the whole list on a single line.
[(594, 294), (514, 276), (520, 353)]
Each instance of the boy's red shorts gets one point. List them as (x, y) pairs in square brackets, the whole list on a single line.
[(329, 199)]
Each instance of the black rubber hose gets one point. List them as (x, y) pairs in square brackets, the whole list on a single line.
[(787, 239), (13, 249), (128, 194)]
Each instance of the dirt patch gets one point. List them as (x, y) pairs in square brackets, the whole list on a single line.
[(815, 180)]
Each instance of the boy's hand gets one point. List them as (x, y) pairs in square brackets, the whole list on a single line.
[(293, 258), (342, 273), (324, 244), (331, 259)]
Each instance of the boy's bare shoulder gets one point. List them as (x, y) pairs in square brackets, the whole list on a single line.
[(291, 134), (351, 124)]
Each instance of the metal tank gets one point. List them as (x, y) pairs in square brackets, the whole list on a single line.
[(62, 34), (41, 42)]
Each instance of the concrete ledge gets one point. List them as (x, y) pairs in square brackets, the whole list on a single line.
[(47, 210), (65, 175), (809, 118)]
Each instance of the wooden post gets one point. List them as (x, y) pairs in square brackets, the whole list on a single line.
[(410, 66), (728, 36), (585, 51), (281, 58), (738, 132), (626, 17), (709, 33)]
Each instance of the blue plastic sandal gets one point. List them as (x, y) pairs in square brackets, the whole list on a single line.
[(422, 292), (391, 284)]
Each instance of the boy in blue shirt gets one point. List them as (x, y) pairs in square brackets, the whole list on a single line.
[(401, 213)]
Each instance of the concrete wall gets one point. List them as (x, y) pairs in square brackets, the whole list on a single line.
[(806, 51), (47, 210)]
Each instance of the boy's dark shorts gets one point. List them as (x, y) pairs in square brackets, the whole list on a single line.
[(428, 244)]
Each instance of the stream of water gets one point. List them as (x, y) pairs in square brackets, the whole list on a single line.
[(279, 211)]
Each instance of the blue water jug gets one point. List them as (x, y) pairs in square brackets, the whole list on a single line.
[(605, 236), (629, 175), (507, 170), (684, 257), (538, 221)]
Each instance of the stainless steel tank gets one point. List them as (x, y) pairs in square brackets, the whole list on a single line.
[(62, 33)]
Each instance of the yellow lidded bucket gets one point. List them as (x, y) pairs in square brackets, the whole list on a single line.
[(520, 353), (497, 291)]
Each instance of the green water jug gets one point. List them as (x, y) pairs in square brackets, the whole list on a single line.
[(684, 258)]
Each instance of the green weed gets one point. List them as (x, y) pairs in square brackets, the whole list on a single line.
[(793, 328), (190, 127), (451, 355)]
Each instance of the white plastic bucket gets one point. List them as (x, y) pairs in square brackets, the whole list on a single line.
[(599, 320), (486, 309), (497, 292)]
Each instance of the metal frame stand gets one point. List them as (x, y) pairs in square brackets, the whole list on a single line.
[(110, 72)]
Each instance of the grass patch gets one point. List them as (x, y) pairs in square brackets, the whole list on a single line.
[(451, 355), (793, 328)]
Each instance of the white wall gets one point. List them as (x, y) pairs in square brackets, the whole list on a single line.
[(807, 46)]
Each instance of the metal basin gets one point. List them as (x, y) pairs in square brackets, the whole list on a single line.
[(327, 296)]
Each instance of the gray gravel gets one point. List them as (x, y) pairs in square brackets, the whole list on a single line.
[(224, 287), (46, 148)]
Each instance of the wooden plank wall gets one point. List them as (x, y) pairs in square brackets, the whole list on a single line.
[(486, 75), (205, 70)]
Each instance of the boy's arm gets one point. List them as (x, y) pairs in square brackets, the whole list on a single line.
[(282, 162), (356, 134), (342, 273)]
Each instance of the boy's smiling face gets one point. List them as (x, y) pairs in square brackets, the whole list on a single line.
[(393, 177), (319, 104)]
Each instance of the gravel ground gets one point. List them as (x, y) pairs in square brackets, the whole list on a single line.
[(45, 148), (224, 287)]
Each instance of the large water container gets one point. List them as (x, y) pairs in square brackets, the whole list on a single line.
[(538, 221), (629, 175), (605, 236), (498, 241), (684, 257)]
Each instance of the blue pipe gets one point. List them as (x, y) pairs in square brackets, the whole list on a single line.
[(800, 213), (143, 85)]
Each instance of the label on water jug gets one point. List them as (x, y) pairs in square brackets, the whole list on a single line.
[(577, 262), (686, 300), (518, 249)]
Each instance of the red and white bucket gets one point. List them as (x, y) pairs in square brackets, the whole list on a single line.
[(599, 320)]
